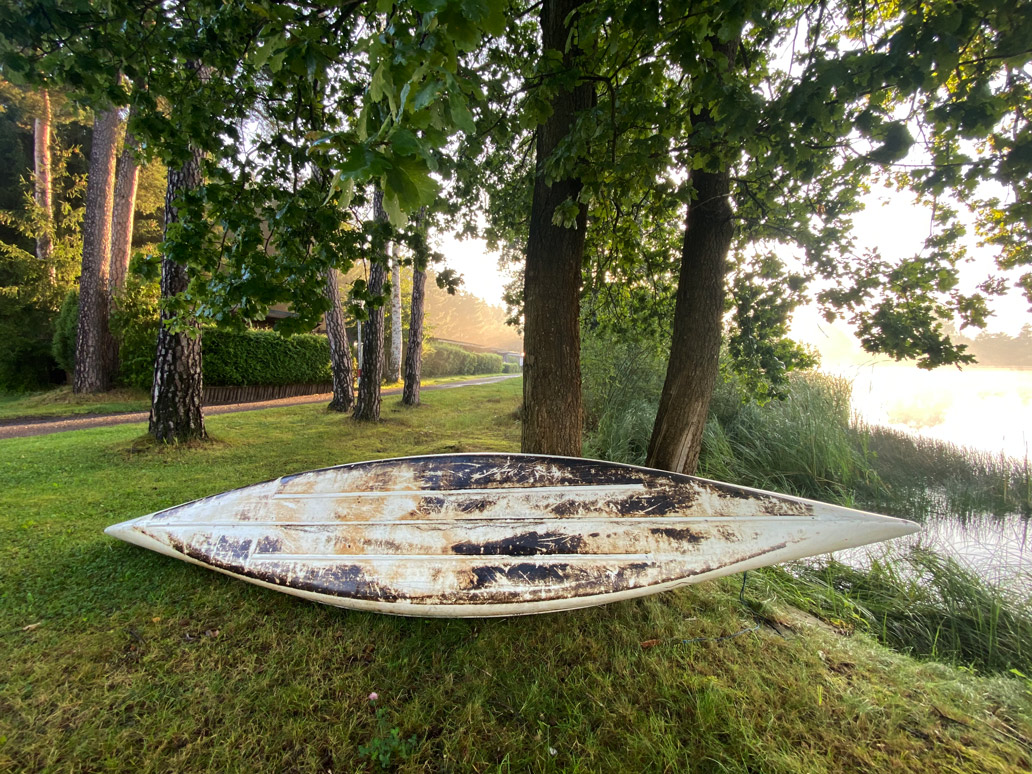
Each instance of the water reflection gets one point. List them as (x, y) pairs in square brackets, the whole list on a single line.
[(997, 548)]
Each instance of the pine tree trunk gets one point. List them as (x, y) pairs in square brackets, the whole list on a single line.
[(94, 346), (394, 363), (43, 185), (340, 348), (178, 389), (695, 349), (414, 354), (367, 405), (551, 374), (125, 204)]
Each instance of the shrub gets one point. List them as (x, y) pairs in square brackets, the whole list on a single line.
[(264, 357), (510, 368), (447, 360), (488, 363), (134, 323), (65, 329), (622, 382)]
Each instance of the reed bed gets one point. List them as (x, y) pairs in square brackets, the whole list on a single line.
[(918, 602)]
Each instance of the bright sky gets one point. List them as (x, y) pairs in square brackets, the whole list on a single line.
[(478, 267)]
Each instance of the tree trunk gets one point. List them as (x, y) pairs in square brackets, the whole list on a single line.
[(551, 374), (367, 405), (94, 346), (698, 314), (414, 355), (125, 205), (43, 186), (340, 348), (394, 363), (178, 389)]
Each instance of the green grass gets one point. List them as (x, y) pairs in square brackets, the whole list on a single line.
[(918, 602), (62, 402), (113, 658)]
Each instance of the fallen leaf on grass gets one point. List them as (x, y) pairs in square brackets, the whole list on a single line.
[(649, 644), (30, 627)]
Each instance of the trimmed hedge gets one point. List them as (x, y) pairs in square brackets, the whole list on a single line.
[(488, 363), (450, 360), (264, 357), (510, 368), (235, 359)]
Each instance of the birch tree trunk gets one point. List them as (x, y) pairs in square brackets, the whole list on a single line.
[(367, 401), (43, 187), (414, 355), (367, 404), (340, 348), (394, 362), (126, 180), (94, 346), (178, 389), (551, 374)]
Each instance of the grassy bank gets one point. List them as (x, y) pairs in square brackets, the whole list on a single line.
[(809, 444), (117, 659)]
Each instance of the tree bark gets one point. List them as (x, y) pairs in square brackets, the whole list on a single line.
[(94, 345), (394, 362), (126, 180), (698, 316), (551, 374), (44, 194), (178, 389), (367, 405), (340, 348), (695, 349), (414, 355)]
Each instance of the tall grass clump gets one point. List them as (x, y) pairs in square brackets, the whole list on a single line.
[(927, 477), (918, 602), (802, 445), (622, 383)]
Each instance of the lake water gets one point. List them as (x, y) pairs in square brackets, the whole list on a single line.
[(989, 409)]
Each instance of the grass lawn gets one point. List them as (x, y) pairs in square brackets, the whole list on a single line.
[(113, 658), (62, 402)]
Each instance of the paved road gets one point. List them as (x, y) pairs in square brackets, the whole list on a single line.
[(25, 428)]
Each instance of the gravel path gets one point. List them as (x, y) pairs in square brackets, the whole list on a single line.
[(30, 427)]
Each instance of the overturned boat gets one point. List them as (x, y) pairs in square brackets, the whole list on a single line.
[(480, 535)]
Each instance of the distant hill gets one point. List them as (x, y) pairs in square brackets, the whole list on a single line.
[(465, 317)]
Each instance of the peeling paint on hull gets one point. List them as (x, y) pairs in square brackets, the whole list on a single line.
[(481, 535)]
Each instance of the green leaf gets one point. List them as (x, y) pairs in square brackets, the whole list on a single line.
[(378, 83), (460, 113), (395, 213), (405, 143)]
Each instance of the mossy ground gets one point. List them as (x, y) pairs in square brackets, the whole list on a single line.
[(113, 658)]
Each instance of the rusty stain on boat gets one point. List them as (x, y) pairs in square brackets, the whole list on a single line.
[(494, 534)]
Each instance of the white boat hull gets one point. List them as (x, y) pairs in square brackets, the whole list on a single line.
[(484, 535)]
